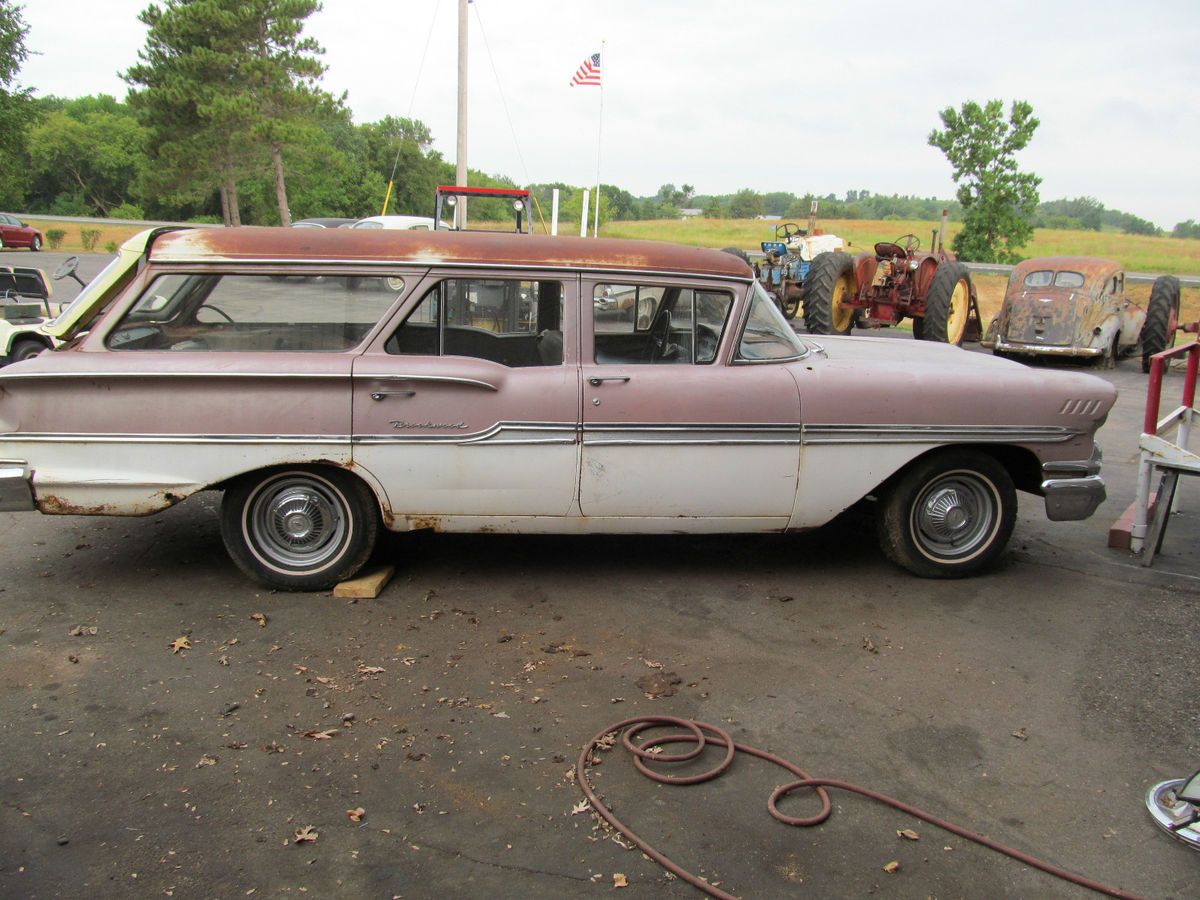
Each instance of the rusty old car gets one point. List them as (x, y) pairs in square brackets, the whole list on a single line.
[(1076, 306), (335, 383)]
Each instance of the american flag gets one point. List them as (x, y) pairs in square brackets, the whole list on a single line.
[(588, 72)]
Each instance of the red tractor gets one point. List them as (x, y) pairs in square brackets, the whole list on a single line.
[(899, 279)]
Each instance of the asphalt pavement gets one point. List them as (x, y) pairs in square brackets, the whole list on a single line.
[(1035, 704)]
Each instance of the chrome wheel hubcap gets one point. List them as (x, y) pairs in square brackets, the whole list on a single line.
[(955, 516), (298, 522)]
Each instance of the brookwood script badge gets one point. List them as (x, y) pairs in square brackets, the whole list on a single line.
[(400, 423)]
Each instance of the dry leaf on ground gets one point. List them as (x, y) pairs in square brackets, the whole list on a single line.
[(260, 619), (325, 735), (892, 868), (180, 643), (306, 835), (356, 815)]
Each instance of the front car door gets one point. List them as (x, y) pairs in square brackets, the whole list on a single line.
[(680, 420), (468, 405)]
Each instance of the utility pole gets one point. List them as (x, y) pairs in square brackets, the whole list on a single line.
[(460, 172)]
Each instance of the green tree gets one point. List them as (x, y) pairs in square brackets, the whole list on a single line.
[(1188, 229), (16, 105), (224, 86), (96, 158), (999, 199), (746, 204)]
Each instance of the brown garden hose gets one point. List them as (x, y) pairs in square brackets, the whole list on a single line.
[(700, 734)]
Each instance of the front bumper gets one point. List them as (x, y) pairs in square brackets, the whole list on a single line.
[(16, 486), (1073, 489)]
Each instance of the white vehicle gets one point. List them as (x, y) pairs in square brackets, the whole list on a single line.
[(405, 223), (24, 306)]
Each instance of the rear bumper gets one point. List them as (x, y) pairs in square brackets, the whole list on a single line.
[(16, 486), (1004, 346), (1073, 489)]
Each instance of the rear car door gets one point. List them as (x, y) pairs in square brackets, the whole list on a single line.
[(468, 405)]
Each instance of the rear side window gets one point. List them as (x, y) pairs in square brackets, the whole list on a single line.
[(298, 313)]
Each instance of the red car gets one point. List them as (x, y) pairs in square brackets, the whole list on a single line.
[(15, 233)]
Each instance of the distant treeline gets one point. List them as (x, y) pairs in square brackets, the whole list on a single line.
[(88, 156)]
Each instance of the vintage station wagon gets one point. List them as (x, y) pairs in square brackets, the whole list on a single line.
[(331, 383)]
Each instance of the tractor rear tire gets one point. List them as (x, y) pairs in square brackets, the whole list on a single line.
[(830, 281), (1162, 315), (740, 254), (948, 304)]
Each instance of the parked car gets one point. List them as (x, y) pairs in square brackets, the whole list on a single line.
[(1076, 306), (323, 222), (476, 390), (15, 233), (403, 223), (24, 308)]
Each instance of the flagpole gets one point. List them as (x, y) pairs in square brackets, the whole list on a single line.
[(599, 136)]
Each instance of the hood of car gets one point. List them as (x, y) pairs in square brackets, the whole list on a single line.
[(861, 379)]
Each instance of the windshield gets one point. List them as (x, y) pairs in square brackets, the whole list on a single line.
[(85, 293), (767, 336)]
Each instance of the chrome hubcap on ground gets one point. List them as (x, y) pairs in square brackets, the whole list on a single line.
[(955, 516), (298, 522)]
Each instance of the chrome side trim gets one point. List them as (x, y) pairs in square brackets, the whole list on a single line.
[(937, 434), (263, 439), (445, 379), (293, 376), (500, 434), (622, 434)]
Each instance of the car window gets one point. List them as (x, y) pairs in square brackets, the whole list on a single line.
[(1040, 278), (1068, 280), (508, 321), (321, 313), (634, 323), (767, 335)]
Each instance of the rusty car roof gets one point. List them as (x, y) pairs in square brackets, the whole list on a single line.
[(1089, 267), (247, 244)]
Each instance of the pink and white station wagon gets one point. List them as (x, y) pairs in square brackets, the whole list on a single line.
[(334, 382)]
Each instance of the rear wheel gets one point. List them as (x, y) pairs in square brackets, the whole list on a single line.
[(949, 515), (1162, 315), (827, 291), (947, 304), (299, 529), (740, 254)]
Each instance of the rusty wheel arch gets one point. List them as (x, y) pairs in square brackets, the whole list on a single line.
[(382, 505)]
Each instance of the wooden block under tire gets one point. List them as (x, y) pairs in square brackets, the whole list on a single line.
[(367, 586)]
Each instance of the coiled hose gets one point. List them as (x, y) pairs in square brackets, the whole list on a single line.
[(700, 734)]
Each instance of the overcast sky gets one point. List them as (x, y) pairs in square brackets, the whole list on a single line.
[(789, 95)]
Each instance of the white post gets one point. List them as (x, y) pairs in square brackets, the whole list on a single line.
[(583, 221), (600, 135), (460, 167), (554, 211)]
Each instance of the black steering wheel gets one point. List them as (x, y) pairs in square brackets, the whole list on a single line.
[(67, 269), (789, 230), (909, 242)]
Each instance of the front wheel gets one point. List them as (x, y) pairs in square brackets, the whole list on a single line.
[(949, 515), (25, 349), (299, 529), (36, 244)]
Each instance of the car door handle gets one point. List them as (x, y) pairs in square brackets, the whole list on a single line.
[(597, 380), (379, 395)]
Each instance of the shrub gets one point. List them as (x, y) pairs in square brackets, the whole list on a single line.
[(110, 247), (88, 237), (127, 211), (55, 237), (205, 220)]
